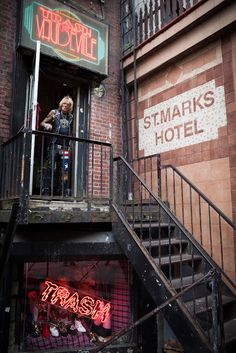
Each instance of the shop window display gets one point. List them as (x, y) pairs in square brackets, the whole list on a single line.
[(74, 304)]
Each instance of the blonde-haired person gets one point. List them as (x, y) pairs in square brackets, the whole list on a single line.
[(64, 112), (59, 121)]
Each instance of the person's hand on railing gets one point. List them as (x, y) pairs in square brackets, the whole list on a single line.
[(48, 127)]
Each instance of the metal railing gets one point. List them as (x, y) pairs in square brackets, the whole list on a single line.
[(149, 169), (174, 250), (210, 277), (145, 18), (60, 167), (213, 230)]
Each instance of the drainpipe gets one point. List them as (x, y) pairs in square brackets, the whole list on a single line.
[(34, 113)]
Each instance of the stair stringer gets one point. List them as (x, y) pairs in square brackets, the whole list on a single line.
[(188, 331)]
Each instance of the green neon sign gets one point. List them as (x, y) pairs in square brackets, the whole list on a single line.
[(68, 35)]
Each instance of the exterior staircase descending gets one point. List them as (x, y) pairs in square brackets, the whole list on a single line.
[(168, 259)]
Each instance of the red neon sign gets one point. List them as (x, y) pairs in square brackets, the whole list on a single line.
[(74, 301), (65, 34)]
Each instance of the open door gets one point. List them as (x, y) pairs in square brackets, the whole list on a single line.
[(81, 149), (52, 88)]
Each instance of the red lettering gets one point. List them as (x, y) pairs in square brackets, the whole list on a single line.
[(101, 311), (188, 129), (86, 306), (89, 48), (73, 302), (147, 122), (186, 106), (177, 128), (165, 116), (43, 30), (50, 287), (68, 298), (196, 130), (176, 112), (67, 35), (209, 100), (61, 294), (196, 103), (159, 137), (171, 133), (155, 118)]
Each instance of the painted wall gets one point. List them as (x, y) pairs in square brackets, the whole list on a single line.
[(187, 113)]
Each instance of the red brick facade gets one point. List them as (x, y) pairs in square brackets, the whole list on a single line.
[(7, 48), (209, 164), (104, 119)]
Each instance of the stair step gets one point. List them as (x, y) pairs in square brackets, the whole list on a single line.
[(178, 283), (148, 224), (164, 242), (201, 305), (177, 259), (230, 333)]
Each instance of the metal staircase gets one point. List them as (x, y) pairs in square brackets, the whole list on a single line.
[(168, 259), (6, 240)]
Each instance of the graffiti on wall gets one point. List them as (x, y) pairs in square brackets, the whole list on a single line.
[(184, 120)]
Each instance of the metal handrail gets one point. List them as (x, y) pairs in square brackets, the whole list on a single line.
[(159, 192), (216, 224), (140, 25), (203, 196), (176, 221), (22, 178), (152, 312), (72, 138), (171, 215), (145, 221)]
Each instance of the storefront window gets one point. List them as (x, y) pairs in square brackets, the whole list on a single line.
[(74, 304)]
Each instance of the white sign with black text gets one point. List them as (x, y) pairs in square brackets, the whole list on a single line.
[(189, 118)]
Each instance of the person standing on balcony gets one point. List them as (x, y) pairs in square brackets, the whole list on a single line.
[(59, 121)]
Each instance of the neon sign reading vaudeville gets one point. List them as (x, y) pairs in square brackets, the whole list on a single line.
[(61, 31), (75, 301)]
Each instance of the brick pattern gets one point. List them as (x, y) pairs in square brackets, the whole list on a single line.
[(222, 147), (105, 112), (221, 65), (7, 46), (230, 96), (105, 123)]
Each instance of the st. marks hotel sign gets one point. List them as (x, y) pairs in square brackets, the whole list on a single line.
[(65, 33)]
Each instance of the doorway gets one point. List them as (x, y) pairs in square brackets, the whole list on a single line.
[(53, 86)]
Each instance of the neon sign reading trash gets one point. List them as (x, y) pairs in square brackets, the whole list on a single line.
[(74, 301)]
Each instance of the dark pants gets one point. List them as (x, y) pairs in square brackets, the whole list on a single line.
[(56, 176)]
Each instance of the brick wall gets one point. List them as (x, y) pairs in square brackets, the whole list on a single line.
[(211, 163), (7, 46), (105, 123), (105, 112), (210, 64)]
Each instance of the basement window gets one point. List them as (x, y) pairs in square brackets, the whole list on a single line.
[(74, 304)]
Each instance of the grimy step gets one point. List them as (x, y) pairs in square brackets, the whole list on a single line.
[(164, 242), (230, 335), (177, 259), (178, 283), (200, 305), (147, 225)]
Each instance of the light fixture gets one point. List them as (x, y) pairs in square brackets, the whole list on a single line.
[(99, 90)]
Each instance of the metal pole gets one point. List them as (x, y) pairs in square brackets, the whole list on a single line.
[(34, 113)]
